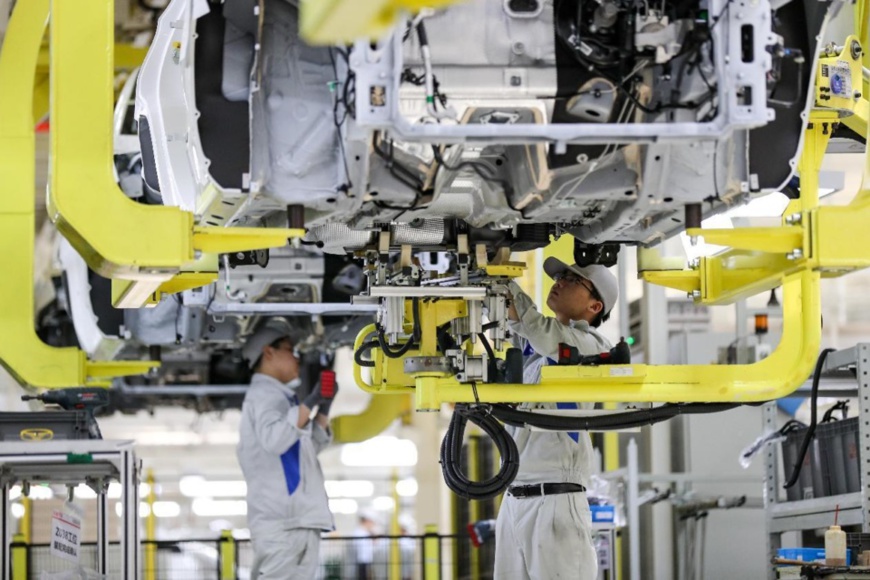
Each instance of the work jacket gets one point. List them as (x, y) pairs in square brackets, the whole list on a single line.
[(550, 456), (279, 460)]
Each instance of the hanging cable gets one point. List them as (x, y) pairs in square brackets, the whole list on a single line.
[(808, 436), (451, 454)]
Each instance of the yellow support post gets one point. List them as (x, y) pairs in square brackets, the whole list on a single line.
[(473, 455), (395, 569), (431, 553), (25, 526), (150, 530), (19, 558), (27, 358), (147, 245), (228, 555)]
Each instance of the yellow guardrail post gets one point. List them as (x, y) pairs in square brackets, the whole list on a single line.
[(431, 553), (119, 238), (19, 558), (228, 555), (26, 357), (150, 530)]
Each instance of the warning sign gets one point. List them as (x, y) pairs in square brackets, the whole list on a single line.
[(66, 534)]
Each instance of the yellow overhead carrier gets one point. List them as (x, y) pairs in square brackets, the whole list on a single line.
[(344, 21), (27, 358), (813, 242), (145, 246)]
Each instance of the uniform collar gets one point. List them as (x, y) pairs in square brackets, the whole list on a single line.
[(580, 325), (288, 389)]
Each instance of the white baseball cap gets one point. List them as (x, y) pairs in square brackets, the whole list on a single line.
[(602, 279), (268, 333)]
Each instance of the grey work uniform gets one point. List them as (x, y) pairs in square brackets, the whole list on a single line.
[(547, 536), (287, 502)]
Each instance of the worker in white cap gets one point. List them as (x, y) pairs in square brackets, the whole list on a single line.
[(278, 445), (544, 526)]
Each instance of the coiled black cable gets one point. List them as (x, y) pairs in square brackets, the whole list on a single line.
[(808, 436), (451, 453)]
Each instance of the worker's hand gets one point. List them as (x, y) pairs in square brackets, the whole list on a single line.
[(325, 404), (323, 393)]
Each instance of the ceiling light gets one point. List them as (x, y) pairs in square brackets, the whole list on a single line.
[(205, 507), (14, 492), (17, 510), (144, 509), (198, 486), (384, 451), (343, 506), (407, 487), (41, 492), (383, 503), (166, 509), (350, 488)]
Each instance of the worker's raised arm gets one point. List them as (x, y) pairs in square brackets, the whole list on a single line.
[(274, 425), (544, 333)]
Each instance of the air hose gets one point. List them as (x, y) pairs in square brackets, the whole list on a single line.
[(451, 453)]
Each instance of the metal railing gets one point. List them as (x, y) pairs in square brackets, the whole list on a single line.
[(423, 557)]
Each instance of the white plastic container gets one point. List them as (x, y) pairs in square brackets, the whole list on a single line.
[(835, 546)]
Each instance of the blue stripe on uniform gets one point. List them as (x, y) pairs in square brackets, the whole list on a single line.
[(572, 434), (290, 463)]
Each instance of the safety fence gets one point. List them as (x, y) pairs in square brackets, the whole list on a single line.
[(425, 557)]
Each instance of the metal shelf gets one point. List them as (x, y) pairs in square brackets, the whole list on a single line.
[(784, 516), (815, 513)]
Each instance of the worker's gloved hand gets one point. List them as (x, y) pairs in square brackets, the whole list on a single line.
[(323, 393)]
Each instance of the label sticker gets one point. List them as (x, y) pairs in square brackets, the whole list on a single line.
[(66, 533), (621, 371)]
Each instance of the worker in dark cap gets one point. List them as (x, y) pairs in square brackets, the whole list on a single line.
[(278, 446)]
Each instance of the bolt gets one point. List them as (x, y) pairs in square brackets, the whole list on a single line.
[(695, 294), (793, 219), (795, 255), (855, 50), (695, 263), (197, 254), (857, 95)]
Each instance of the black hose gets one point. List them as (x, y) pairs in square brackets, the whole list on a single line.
[(451, 454), (608, 422), (413, 341), (364, 348), (808, 436)]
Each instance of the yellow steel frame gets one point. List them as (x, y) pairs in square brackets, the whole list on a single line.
[(119, 238), (813, 241), (26, 357), (344, 21)]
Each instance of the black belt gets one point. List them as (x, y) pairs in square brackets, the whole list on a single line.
[(544, 489)]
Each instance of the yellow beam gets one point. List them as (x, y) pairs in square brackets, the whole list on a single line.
[(380, 413), (331, 22), (22, 353), (774, 377), (782, 239)]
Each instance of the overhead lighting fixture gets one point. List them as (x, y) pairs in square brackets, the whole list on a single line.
[(407, 487), (205, 507), (383, 451), (343, 506), (83, 491), (144, 509), (41, 492), (166, 509), (17, 510), (383, 503), (198, 486), (14, 492), (349, 488)]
